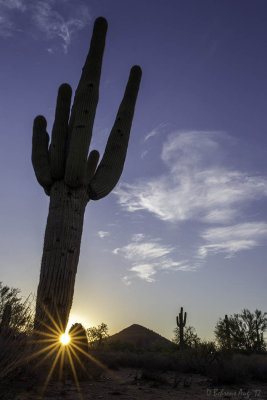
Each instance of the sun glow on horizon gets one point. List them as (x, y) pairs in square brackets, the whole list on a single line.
[(65, 339)]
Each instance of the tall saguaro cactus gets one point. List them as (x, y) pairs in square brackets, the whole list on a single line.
[(71, 178), (181, 321)]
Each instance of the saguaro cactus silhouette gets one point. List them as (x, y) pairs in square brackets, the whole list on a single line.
[(181, 321), (71, 178)]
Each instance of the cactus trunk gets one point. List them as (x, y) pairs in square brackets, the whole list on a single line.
[(60, 256)]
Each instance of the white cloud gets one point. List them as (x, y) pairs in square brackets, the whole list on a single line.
[(160, 129), (151, 134), (148, 258), (144, 153), (6, 26), (199, 188), (103, 234), (56, 23), (137, 237), (145, 271), (14, 4), (126, 280), (143, 251), (232, 239), (196, 186)]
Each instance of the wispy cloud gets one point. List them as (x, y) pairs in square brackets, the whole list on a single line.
[(55, 25), (103, 234), (137, 237), (6, 26), (14, 4), (196, 186), (156, 131), (149, 257), (143, 251), (232, 239), (56, 20)]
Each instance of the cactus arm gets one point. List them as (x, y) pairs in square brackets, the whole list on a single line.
[(40, 155), (111, 165), (84, 108), (184, 318), (57, 148)]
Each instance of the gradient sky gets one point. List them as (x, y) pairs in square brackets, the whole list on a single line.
[(187, 224)]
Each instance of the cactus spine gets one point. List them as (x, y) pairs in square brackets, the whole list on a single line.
[(181, 321), (71, 178)]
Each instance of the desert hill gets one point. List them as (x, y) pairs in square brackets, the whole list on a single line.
[(139, 336)]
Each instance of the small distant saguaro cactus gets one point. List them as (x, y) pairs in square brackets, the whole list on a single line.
[(71, 178), (181, 321), (6, 317)]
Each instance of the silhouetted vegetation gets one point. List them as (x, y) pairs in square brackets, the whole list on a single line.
[(242, 332), (190, 337), (140, 348), (181, 321), (15, 312), (97, 335), (16, 326)]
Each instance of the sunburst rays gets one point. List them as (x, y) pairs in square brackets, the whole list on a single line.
[(65, 339), (46, 348)]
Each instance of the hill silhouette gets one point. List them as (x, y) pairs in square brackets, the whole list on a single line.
[(139, 336)]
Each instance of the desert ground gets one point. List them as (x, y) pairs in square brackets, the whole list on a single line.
[(131, 384)]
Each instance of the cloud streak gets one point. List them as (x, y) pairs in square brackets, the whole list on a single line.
[(103, 234), (46, 16), (193, 189), (232, 239), (13, 4), (148, 257), (196, 188), (55, 25)]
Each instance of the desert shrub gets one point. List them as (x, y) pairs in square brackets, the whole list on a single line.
[(206, 359), (97, 335), (226, 373), (14, 338), (242, 332), (21, 309), (117, 345), (257, 366), (240, 368), (191, 338)]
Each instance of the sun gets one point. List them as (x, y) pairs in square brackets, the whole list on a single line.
[(65, 339)]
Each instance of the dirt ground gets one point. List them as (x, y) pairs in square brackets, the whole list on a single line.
[(130, 384)]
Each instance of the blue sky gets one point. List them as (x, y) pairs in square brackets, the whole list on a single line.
[(187, 224)]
